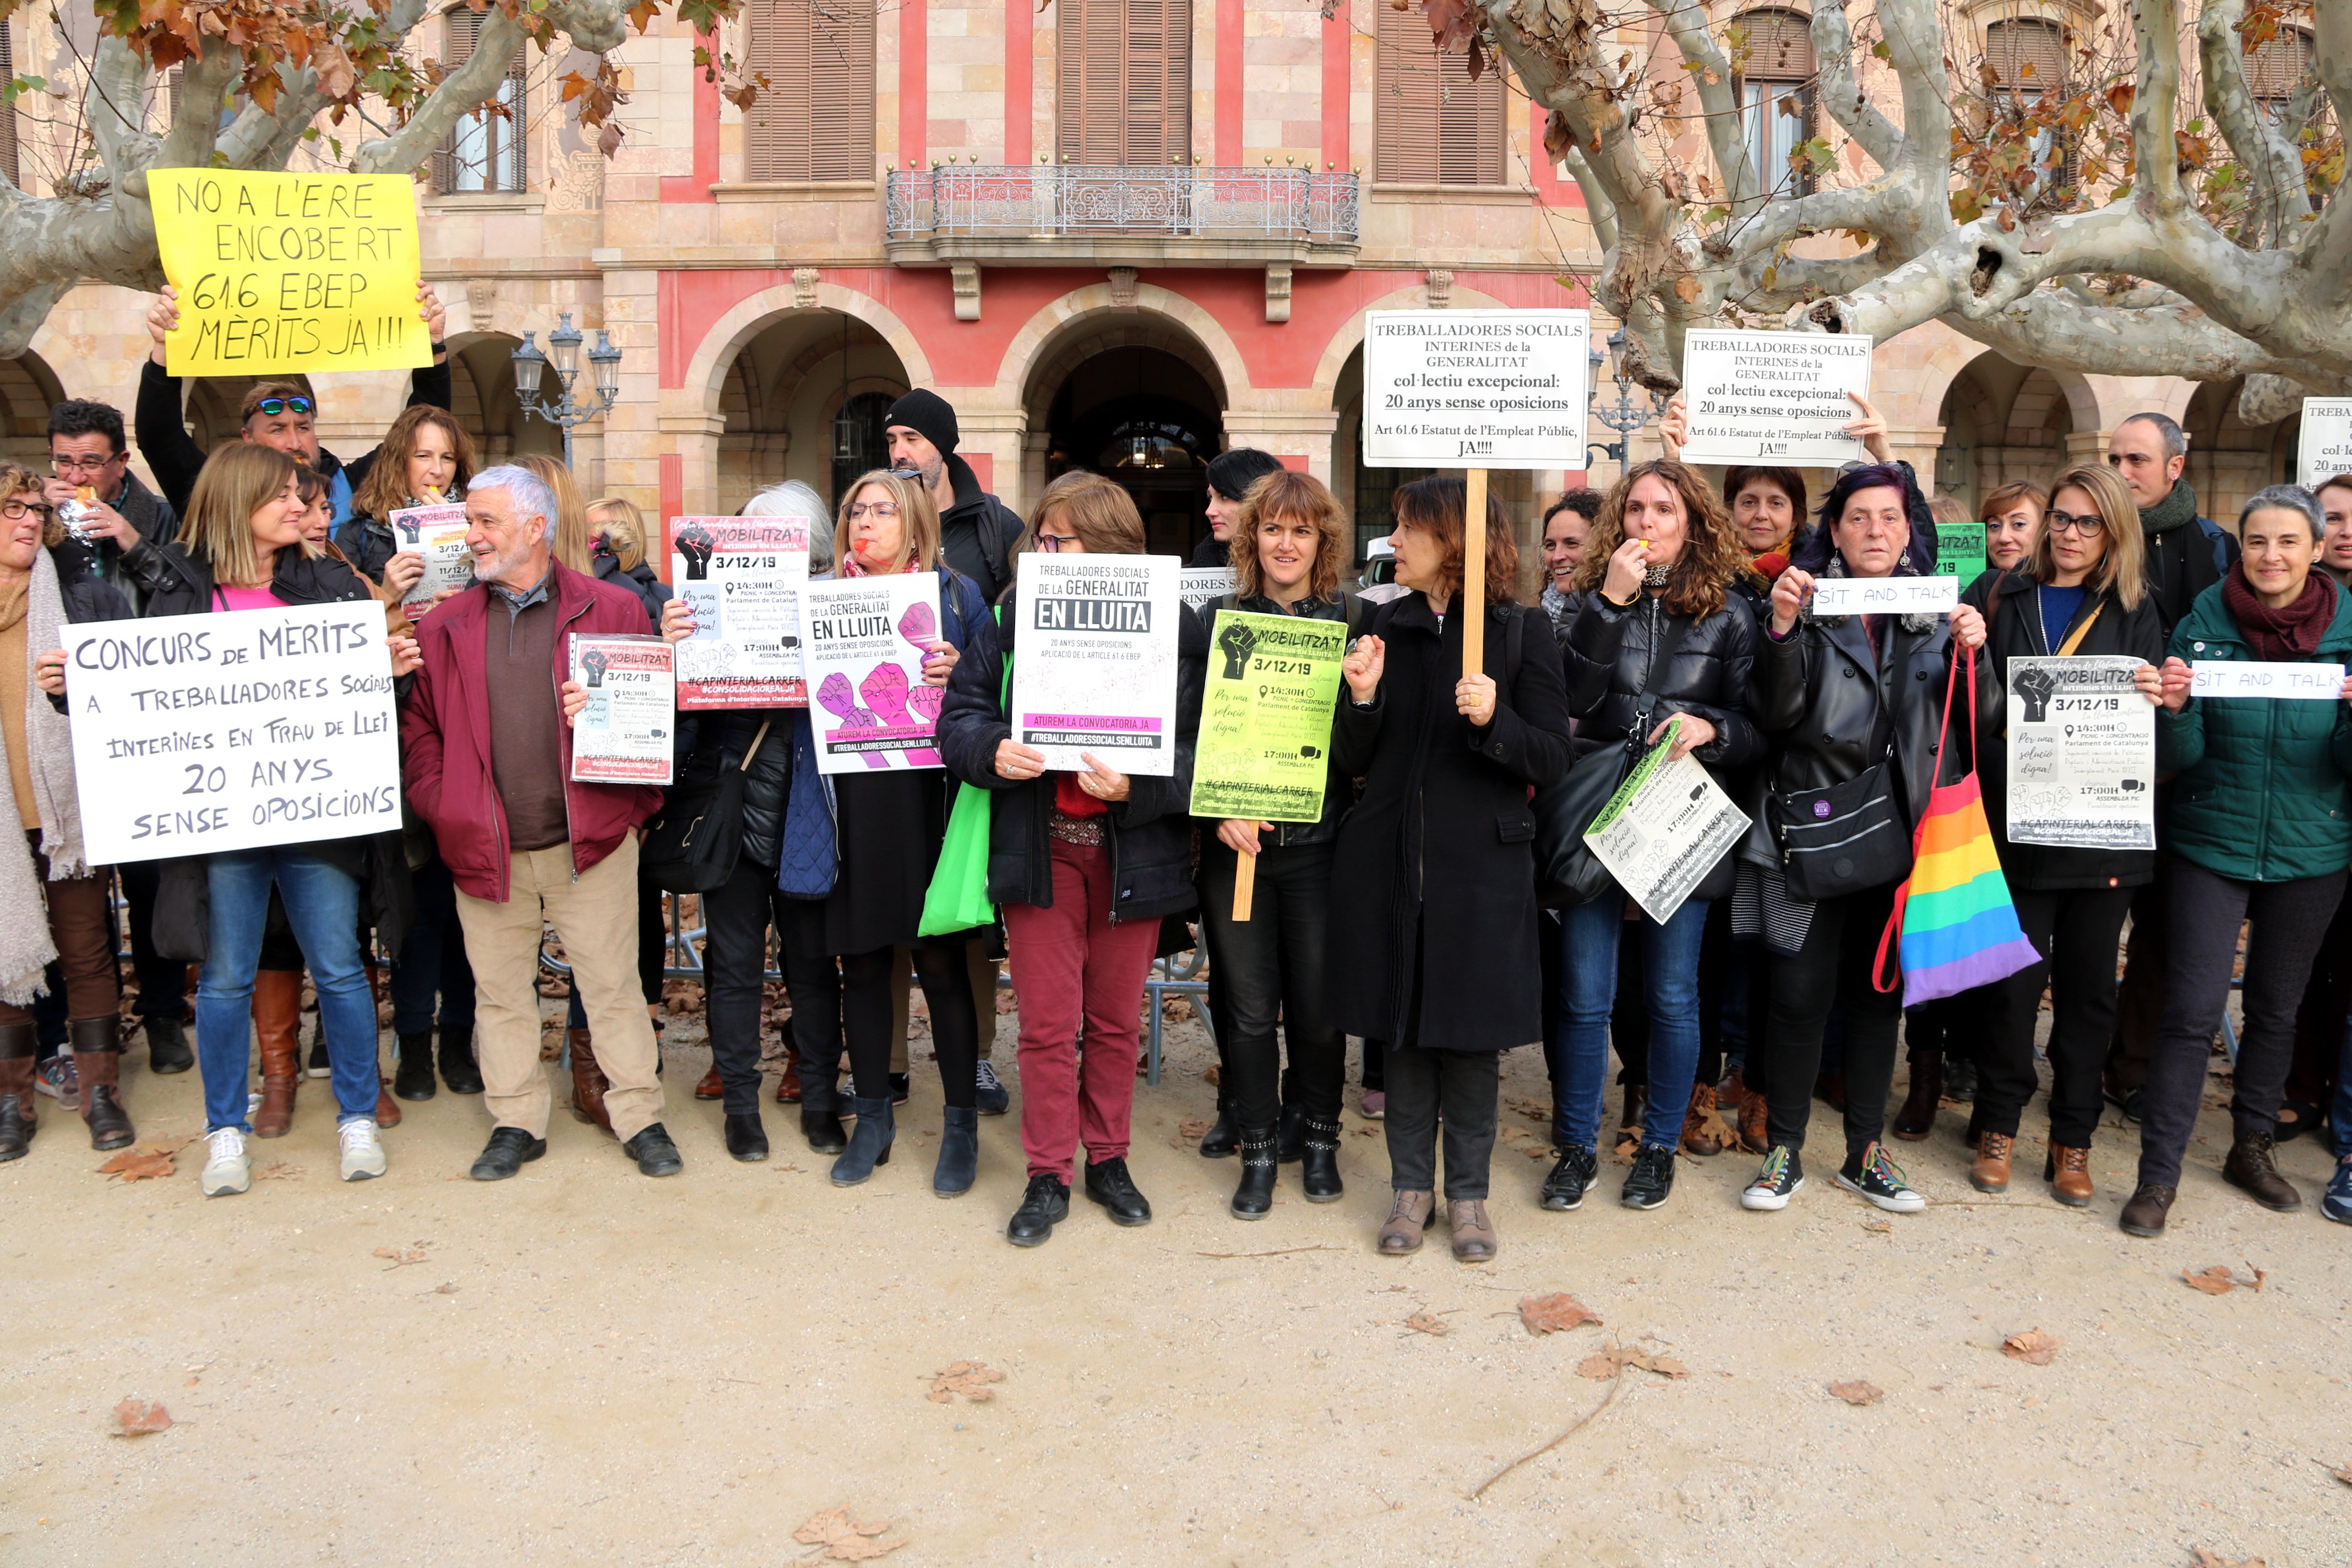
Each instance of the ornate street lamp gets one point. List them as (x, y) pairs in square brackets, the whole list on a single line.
[(564, 410), (1622, 415)]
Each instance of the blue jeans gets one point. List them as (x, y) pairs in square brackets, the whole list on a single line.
[(1588, 938), (323, 905)]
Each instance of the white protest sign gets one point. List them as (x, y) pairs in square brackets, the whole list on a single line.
[(438, 533), (1665, 828), (197, 734), (2082, 753), (2324, 448), (2314, 682), (627, 733), (1476, 389), (1203, 586), (1773, 397), (865, 641), (1094, 661), (741, 576), (1935, 596)]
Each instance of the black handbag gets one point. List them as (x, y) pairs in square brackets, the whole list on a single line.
[(1844, 839), (1567, 870), (693, 842)]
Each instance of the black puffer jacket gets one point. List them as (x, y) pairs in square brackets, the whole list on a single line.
[(978, 531), (1150, 836), (1611, 653), (1819, 699), (640, 580), (719, 742), (2010, 601)]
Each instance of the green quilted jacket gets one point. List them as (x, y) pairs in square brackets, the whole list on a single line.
[(2261, 792)]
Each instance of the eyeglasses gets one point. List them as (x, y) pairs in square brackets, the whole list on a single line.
[(274, 406), (68, 464), (880, 510), (19, 511), (2067, 522), (1051, 543)]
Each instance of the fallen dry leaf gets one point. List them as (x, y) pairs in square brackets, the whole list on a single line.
[(2033, 1346), (968, 1378), (1613, 1359), (401, 1260), (280, 1171), (1191, 1130), (848, 1541), (138, 1417), (2219, 1280), (1882, 1227), (1550, 1314), (144, 1162), (2344, 1475), (1210, 1074), (1858, 1392), (1427, 1323), (2207, 1560)]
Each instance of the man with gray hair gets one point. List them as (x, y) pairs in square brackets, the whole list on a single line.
[(487, 758)]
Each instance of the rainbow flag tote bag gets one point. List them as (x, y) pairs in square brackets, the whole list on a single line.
[(1958, 928)]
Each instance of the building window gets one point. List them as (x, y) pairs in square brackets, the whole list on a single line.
[(869, 446), (2275, 68), (8, 114), (2026, 60), (814, 119), (1773, 59), (1433, 125), (486, 150), (1123, 81)]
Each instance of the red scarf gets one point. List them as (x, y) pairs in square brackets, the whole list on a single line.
[(2286, 635)]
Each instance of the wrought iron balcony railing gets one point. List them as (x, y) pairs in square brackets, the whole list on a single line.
[(999, 211)]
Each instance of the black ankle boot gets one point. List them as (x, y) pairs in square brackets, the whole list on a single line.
[(1319, 1156), (959, 1164), (1290, 1134), (459, 1068), (820, 1115), (1255, 1196), (1220, 1142), (868, 1146), (413, 1079)]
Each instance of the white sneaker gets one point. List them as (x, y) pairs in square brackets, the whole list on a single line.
[(363, 1150), (227, 1170)]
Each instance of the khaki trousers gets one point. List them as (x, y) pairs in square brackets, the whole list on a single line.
[(597, 916)]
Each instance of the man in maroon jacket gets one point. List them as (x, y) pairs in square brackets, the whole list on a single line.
[(487, 759)]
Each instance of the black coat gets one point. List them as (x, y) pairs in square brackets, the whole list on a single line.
[(1150, 833), (1609, 650), (718, 741), (2013, 629), (1338, 785), (978, 531), (1432, 882), (1819, 702)]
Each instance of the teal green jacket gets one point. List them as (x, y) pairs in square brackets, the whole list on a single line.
[(2260, 791)]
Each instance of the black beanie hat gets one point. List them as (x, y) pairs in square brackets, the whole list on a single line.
[(927, 414)]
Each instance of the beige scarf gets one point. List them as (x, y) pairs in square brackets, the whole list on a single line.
[(26, 949)]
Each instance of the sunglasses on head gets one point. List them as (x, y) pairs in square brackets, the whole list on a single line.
[(276, 406)]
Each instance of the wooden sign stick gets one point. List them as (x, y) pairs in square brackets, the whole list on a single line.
[(1472, 606), (1245, 886)]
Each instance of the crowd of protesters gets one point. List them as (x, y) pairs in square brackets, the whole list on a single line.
[(1671, 611)]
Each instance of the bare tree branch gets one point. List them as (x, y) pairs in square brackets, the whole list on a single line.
[(1841, 90), (113, 101), (2284, 198), (461, 92), (196, 129), (1599, 210), (1719, 98), (2155, 107), (1915, 44)]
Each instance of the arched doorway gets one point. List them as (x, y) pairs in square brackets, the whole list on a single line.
[(30, 389), (784, 398), (1135, 398), (2229, 460), (2003, 421)]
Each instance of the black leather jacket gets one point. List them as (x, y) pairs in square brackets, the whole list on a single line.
[(1609, 651), (1821, 699)]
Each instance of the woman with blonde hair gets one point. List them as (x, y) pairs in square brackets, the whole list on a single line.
[(2079, 593), (1655, 638), (1083, 867), (241, 547), (1287, 543)]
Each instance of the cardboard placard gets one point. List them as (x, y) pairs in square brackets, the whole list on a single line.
[(285, 273), (1488, 389), (1773, 397), (2324, 446), (865, 640), (742, 578), (628, 732), (1094, 663), (200, 734), (1264, 751)]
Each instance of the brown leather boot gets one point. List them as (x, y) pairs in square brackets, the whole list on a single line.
[(1991, 1171), (97, 1061), (1699, 1136), (1918, 1117), (2068, 1171), (277, 1022), (2146, 1211), (2252, 1169), (387, 1110), (588, 1082), (1408, 1216), (1474, 1233), (1755, 1118), (17, 1118)]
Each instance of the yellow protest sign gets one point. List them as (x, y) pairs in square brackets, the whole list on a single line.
[(279, 273)]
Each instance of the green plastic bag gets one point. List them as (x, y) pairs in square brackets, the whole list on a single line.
[(957, 898)]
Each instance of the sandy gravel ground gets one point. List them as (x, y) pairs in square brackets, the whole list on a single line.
[(585, 1366)]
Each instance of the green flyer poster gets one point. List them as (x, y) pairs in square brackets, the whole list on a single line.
[(1960, 551), (1263, 747)]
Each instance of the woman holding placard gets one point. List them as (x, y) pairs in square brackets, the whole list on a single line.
[(1288, 540), (1850, 707), (241, 548), (1654, 634), (888, 826), (1432, 932), (2079, 593), (1083, 867), (2259, 830), (426, 458)]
